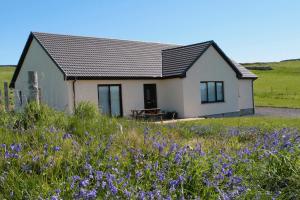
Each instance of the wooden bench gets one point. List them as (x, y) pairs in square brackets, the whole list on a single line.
[(152, 113)]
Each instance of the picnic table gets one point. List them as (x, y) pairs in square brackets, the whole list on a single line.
[(150, 113)]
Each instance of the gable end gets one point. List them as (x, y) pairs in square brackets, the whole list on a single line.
[(23, 56)]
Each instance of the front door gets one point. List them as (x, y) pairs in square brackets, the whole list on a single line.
[(150, 100), (110, 100)]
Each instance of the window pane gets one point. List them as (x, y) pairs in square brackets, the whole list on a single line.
[(203, 91), (104, 99), (115, 100), (211, 91), (220, 91)]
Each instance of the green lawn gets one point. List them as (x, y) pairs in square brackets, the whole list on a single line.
[(278, 87)]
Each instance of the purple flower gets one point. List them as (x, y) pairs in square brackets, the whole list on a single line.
[(160, 176), (127, 193), (16, 147), (54, 197), (103, 184), (67, 136), (84, 183), (138, 174), (99, 175), (112, 188), (56, 148), (57, 191), (91, 194)]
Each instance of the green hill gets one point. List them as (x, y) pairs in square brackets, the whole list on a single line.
[(5, 75), (279, 87)]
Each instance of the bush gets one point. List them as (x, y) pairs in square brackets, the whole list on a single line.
[(42, 115)]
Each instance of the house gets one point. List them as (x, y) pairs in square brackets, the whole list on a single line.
[(119, 75)]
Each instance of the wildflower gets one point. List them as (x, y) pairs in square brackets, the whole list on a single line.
[(57, 191), (67, 136), (84, 183), (112, 188), (99, 175), (52, 129), (54, 197), (127, 193), (173, 184), (103, 184), (138, 174), (160, 176), (142, 195), (16, 147), (56, 148), (91, 194)]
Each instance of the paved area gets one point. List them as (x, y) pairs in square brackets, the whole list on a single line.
[(279, 112), (177, 120)]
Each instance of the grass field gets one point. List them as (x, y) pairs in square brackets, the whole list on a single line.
[(5, 75), (45, 154), (278, 87)]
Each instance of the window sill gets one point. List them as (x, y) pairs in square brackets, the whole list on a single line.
[(207, 102)]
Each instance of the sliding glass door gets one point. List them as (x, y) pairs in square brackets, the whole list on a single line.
[(110, 100)]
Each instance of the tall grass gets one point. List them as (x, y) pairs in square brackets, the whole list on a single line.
[(50, 155)]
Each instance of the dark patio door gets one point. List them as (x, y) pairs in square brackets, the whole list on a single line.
[(150, 98), (110, 100)]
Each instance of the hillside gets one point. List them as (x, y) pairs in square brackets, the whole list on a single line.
[(5, 75), (278, 87)]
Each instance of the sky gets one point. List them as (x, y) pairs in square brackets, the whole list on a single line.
[(246, 30)]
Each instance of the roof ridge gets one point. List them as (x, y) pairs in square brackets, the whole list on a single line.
[(94, 37), (189, 45)]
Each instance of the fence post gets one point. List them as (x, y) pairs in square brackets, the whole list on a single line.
[(0, 97), (33, 86), (6, 98)]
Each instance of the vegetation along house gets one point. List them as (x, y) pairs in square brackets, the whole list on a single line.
[(120, 75)]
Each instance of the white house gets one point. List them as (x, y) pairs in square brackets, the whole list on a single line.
[(119, 76)]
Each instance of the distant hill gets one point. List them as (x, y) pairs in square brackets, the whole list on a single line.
[(278, 87), (297, 59), (8, 65)]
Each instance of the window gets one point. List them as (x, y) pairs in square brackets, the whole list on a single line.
[(212, 91), (109, 97)]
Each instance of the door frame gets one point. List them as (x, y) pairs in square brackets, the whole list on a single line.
[(145, 93), (109, 98)]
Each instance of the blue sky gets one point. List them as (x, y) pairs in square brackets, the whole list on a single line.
[(247, 30)]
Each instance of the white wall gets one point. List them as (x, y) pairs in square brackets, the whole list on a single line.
[(132, 92), (51, 80), (210, 67), (245, 94), (172, 95)]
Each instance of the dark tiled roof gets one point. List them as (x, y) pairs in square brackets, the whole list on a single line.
[(176, 61), (99, 58)]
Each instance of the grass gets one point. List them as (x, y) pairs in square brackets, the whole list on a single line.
[(5, 76), (50, 155), (278, 87)]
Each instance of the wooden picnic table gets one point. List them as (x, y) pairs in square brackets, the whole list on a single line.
[(151, 113)]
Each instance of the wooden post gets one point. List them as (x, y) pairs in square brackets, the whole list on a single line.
[(0, 98), (6, 98), (33, 86)]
